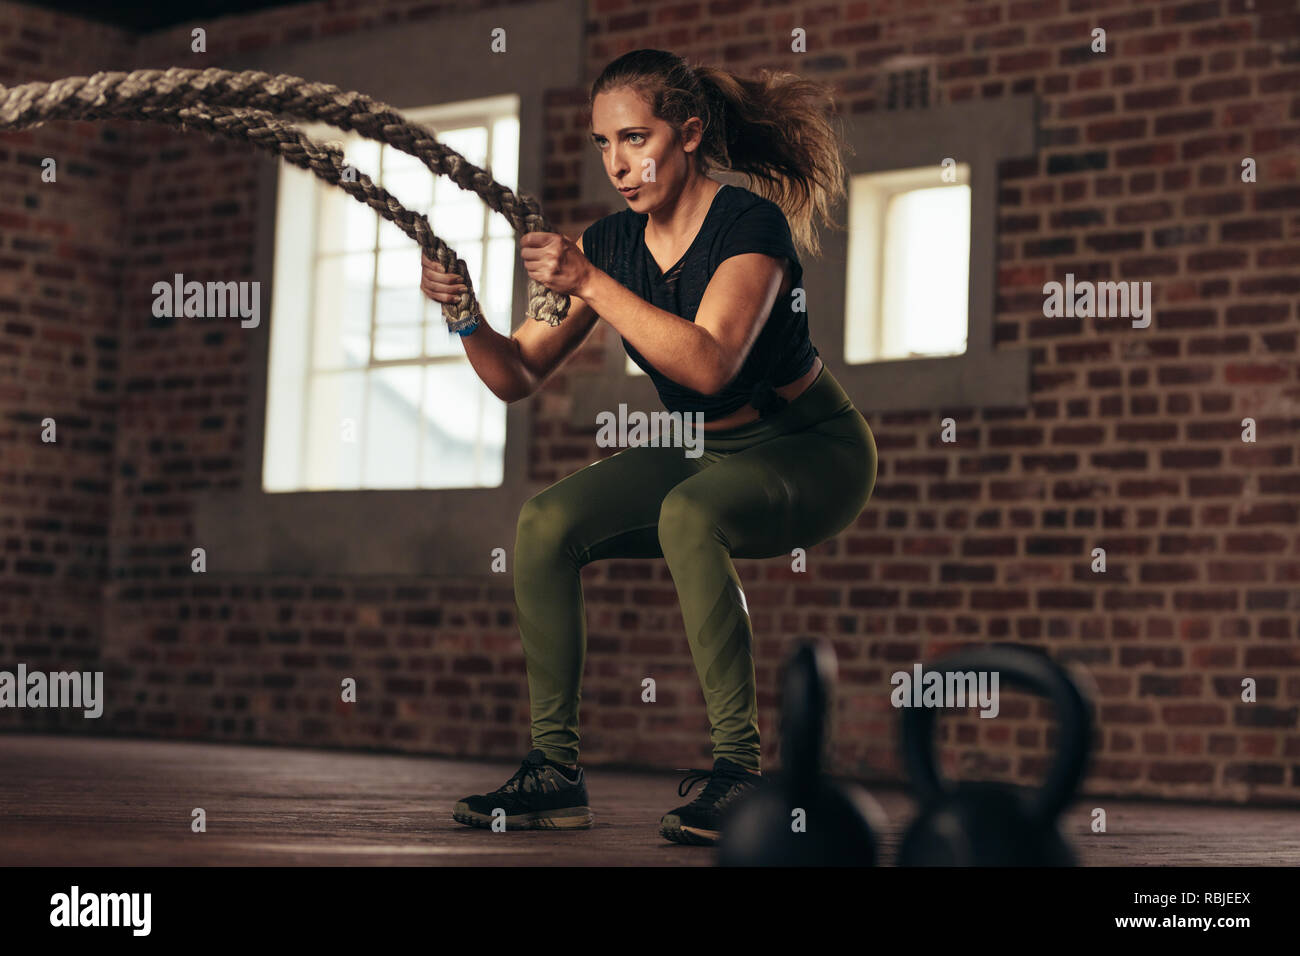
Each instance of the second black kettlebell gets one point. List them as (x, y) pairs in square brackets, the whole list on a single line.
[(992, 824)]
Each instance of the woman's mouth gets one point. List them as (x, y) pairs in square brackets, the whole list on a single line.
[(630, 191)]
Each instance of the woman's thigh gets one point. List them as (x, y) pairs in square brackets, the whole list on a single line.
[(610, 508), (793, 491)]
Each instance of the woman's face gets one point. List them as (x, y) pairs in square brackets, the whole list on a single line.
[(639, 149)]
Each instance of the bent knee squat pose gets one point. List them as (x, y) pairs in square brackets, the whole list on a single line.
[(702, 281)]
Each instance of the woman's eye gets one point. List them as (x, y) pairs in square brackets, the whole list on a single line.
[(600, 143)]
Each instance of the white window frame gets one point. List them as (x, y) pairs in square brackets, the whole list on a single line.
[(869, 333), (298, 261)]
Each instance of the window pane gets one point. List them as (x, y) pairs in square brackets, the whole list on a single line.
[(505, 166), (464, 436), (457, 219), (390, 237), (285, 427), (408, 179), (396, 342), (400, 268), (341, 312), (438, 340), (364, 155), (458, 214), (495, 296), (392, 419), (926, 267), (347, 225), (472, 252), (399, 306), (334, 428), (470, 142), (360, 224)]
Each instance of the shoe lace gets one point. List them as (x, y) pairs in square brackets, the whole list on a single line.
[(719, 783), (525, 773)]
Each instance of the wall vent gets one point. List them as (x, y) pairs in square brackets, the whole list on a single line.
[(908, 89)]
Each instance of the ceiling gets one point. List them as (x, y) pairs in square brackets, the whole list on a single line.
[(145, 16)]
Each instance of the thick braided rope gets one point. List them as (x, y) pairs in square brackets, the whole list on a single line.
[(152, 95), (325, 160)]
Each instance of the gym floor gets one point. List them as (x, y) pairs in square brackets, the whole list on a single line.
[(82, 801)]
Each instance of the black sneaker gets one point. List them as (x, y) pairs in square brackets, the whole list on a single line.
[(538, 797), (700, 821)]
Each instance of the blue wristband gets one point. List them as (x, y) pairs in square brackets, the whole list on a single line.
[(468, 329)]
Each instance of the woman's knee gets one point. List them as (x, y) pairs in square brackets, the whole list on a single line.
[(544, 525), (685, 517)]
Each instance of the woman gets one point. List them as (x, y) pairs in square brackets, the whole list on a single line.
[(702, 280)]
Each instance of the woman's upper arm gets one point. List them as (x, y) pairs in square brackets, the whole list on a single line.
[(544, 348), (738, 301)]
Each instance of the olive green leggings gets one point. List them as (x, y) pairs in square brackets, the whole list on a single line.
[(759, 490)]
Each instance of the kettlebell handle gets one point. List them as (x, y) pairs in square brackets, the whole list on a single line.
[(1026, 670), (805, 711)]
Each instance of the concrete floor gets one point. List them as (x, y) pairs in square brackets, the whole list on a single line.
[(78, 801)]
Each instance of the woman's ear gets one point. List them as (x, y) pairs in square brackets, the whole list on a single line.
[(692, 134)]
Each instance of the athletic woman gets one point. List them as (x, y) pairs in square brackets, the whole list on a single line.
[(702, 281)]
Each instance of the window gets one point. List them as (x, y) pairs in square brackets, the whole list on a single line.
[(909, 263), (367, 389), (447, 532)]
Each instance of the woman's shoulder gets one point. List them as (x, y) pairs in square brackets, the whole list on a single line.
[(743, 200), (615, 221), (609, 228), (754, 223)]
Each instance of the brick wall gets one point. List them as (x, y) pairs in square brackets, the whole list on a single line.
[(61, 255), (1132, 441)]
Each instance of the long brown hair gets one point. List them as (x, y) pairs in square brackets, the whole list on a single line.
[(776, 129)]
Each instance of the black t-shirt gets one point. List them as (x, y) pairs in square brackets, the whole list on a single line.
[(738, 221)]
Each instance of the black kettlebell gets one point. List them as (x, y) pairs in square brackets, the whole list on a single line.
[(992, 824), (839, 822)]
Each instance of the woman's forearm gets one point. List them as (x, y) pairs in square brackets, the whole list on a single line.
[(685, 352), (496, 360)]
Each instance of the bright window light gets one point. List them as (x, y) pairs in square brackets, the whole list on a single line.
[(909, 264), (367, 388)]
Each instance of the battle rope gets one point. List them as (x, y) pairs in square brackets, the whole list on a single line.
[(244, 105)]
